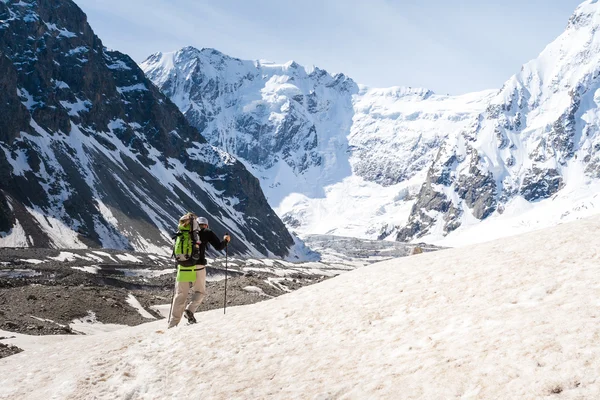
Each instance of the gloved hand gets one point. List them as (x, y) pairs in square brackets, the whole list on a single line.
[(196, 252), (227, 238)]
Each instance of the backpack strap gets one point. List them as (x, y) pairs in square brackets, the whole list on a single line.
[(174, 237)]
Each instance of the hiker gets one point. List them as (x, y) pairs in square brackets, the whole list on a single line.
[(196, 231)]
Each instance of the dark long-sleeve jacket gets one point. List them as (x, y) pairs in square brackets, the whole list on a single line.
[(207, 236)]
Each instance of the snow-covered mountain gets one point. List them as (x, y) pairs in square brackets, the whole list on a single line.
[(514, 318), (92, 154), (338, 158), (287, 124), (332, 157), (537, 139), (393, 140)]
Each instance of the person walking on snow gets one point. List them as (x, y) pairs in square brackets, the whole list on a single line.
[(194, 275)]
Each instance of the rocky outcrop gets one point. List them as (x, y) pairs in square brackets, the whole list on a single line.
[(13, 114), (477, 189), (540, 184)]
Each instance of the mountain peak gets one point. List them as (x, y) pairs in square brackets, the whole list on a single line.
[(203, 52), (292, 64), (188, 49), (587, 13)]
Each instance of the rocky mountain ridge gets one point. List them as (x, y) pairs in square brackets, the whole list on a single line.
[(93, 155)]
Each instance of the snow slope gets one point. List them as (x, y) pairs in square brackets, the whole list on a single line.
[(510, 319), (395, 136), (397, 131)]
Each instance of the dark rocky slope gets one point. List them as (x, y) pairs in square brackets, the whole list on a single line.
[(92, 154)]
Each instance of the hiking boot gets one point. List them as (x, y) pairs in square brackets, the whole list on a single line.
[(189, 316)]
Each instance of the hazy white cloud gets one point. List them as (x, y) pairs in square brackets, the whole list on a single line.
[(451, 46)]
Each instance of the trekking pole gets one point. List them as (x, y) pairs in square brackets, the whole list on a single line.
[(171, 309), (225, 297)]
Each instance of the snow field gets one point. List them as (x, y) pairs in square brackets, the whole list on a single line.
[(133, 302), (511, 319)]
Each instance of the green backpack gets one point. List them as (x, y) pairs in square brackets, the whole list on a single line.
[(183, 249)]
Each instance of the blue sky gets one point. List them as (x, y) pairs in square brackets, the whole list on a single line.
[(448, 46)]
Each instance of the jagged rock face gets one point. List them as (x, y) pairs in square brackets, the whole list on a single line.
[(539, 129), (13, 113), (289, 125), (93, 154)]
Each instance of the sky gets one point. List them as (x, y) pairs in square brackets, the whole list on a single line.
[(448, 46)]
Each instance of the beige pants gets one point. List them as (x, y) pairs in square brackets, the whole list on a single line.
[(181, 294)]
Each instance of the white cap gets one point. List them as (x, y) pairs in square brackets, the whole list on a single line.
[(202, 221)]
